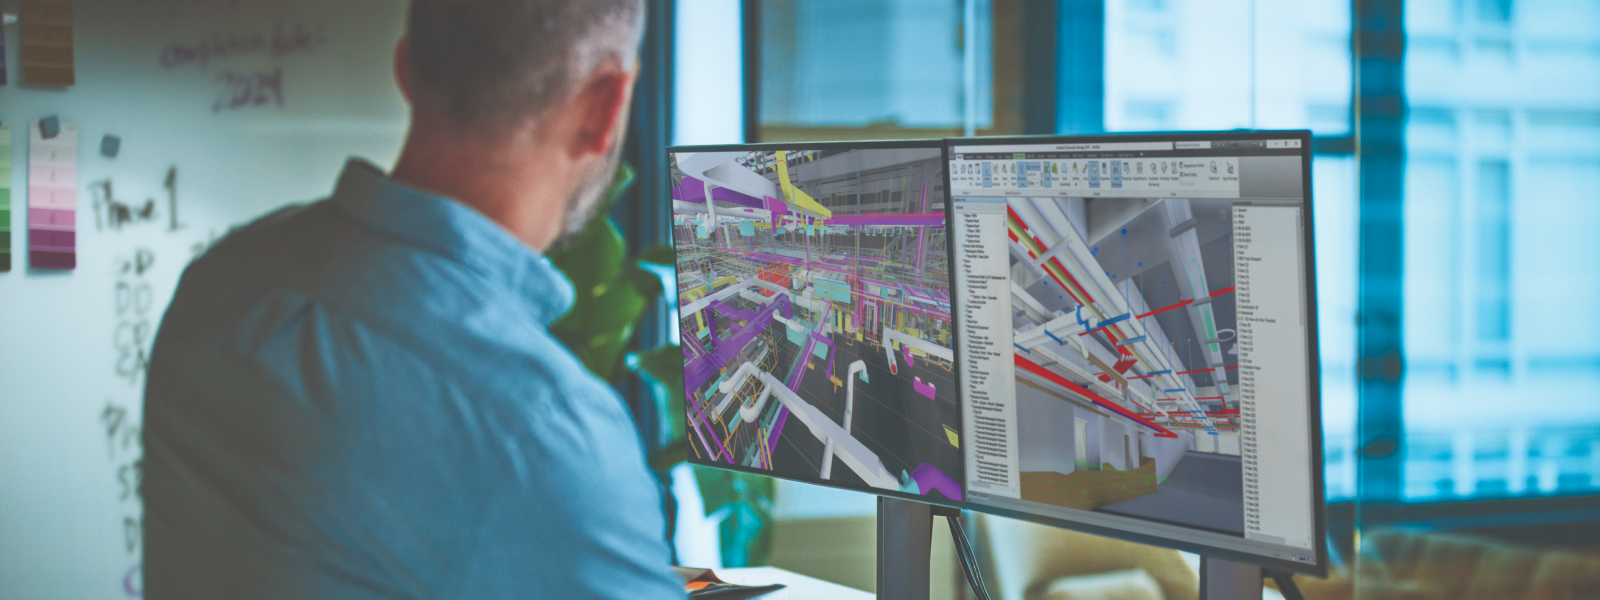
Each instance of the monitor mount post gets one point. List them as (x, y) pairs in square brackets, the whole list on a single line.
[(905, 549), (1228, 580)]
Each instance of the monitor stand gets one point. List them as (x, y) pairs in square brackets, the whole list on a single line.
[(1227, 580), (905, 549)]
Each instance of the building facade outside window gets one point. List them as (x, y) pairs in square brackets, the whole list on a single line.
[(1502, 202)]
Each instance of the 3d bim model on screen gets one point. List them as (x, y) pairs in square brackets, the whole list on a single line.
[(814, 296)]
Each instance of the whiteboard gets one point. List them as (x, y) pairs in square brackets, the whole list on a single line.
[(248, 105)]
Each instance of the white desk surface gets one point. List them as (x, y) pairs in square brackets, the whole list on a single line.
[(799, 587)]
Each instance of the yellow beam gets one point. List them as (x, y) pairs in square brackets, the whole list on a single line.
[(792, 195), (691, 296)]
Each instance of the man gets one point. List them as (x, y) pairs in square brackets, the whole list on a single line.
[(359, 398)]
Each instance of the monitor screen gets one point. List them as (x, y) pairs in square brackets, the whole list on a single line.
[(814, 313), (1136, 341)]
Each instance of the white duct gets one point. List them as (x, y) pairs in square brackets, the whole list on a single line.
[(1076, 257), (732, 384), (849, 450), (849, 412), (1035, 311), (1066, 328), (750, 412)]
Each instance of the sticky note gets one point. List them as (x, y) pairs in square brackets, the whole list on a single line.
[(5, 198), (50, 127), (47, 43), (53, 198)]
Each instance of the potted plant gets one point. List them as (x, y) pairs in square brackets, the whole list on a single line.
[(613, 292)]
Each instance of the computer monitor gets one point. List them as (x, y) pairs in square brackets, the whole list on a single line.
[(814, 312), (1137, 341)]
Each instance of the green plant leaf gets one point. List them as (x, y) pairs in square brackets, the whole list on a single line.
[(746, 540), (664, 365), (612, 293), (671, 456), (659, 254), (605, 329), (591, 261), (594, 258), (647, 283), (621, 180)]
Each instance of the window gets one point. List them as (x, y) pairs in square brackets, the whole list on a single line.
[(708, 71), (843, 69), (1502, 173), (1502, 163)]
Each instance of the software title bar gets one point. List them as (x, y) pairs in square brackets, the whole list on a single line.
[(1091, 147)]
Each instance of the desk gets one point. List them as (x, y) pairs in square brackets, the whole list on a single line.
[(799, 587)]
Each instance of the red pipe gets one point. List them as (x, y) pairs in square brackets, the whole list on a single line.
[(1034, 368)]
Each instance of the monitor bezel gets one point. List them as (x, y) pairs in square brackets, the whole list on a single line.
[(926, 144), (1314, 433)]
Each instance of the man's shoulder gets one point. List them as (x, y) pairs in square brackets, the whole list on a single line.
[(312, 261), (319, 252), (313, 246)]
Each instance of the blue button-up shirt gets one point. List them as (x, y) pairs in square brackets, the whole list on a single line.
[(360, 398)]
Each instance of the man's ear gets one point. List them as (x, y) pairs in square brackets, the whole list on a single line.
[(602, 106), (402, 67)]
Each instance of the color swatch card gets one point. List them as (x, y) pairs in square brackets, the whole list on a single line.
[(52, 198), (5, 198), (3, 79), (47, 54)]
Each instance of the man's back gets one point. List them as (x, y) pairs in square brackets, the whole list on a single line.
[(360, 398)]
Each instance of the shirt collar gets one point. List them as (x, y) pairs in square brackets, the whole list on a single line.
[(454, 230)]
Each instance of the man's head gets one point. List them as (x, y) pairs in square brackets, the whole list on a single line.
[(542, 84)]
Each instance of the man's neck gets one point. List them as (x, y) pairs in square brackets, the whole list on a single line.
[(511, 182)]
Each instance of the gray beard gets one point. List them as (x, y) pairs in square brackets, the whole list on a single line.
[(585, 200)]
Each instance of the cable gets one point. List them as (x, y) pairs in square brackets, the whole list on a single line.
[(964, 552), (1286, 585), (969, 561)]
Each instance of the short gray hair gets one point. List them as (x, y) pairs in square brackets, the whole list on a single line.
[(490, 63)]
